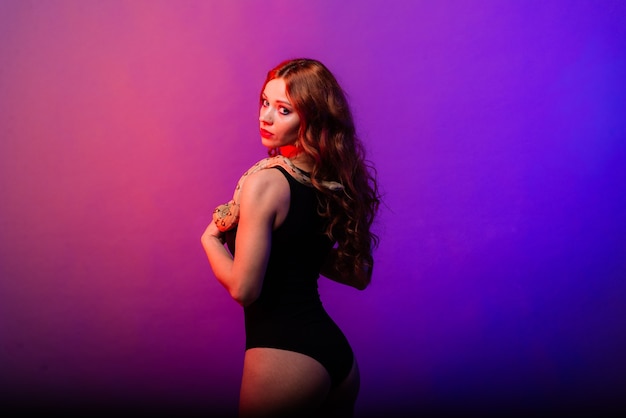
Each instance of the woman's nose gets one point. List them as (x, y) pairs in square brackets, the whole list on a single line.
[(265, 115)]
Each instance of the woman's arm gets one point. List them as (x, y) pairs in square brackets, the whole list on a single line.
[(263, 197), (357, 280)]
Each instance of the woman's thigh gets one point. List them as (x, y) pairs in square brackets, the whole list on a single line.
[(342, 398), (281, 383)]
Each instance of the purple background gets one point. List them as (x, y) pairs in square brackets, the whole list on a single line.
[(498, 130)]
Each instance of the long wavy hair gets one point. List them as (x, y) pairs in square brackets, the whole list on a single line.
[(327, 134)]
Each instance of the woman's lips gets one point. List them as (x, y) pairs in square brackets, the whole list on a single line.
[(266, 134)]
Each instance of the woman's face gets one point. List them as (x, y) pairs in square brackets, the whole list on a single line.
[(279, 121)]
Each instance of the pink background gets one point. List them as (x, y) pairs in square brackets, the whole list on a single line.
[(498, 129)]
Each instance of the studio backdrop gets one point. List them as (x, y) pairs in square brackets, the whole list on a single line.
[(498, 132)]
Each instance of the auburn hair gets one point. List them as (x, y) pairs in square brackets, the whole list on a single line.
[(327, 134)]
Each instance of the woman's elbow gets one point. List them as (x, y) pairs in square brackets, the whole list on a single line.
[(361, 283), (244, 296), (362, 279)]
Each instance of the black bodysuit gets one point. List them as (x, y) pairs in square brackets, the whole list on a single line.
[(288, 313)]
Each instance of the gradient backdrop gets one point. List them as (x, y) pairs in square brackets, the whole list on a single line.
[(498, 130)]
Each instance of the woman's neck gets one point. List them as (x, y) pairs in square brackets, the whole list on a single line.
[(299, 158), (289, 151)]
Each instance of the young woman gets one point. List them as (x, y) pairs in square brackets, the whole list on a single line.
[(305, 211)]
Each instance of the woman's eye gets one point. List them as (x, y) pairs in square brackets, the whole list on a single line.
[(265, 103), (284, 111)]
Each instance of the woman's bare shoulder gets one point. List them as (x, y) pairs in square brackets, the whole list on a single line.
[(265, 184)]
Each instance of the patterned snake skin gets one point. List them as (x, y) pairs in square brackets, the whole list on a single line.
[(226, 216)]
